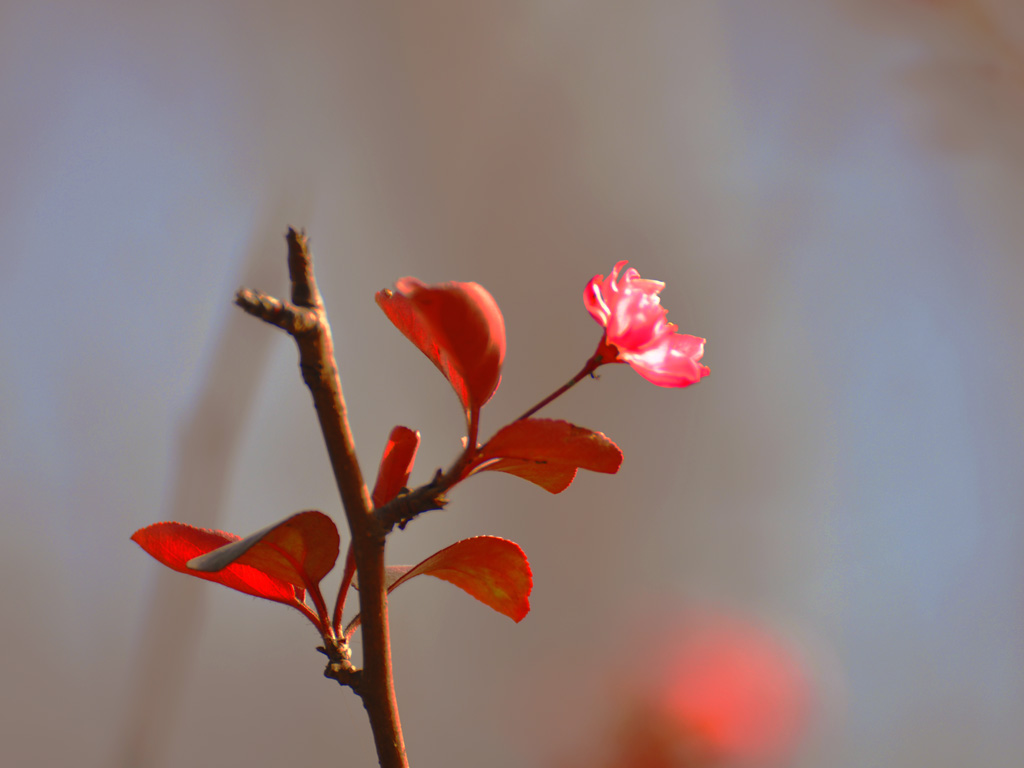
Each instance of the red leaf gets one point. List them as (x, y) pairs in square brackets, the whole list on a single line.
[(554, 478), (174, 544), (458, 326), (395, 465), (493, 570), (299, 550), (548, 452)]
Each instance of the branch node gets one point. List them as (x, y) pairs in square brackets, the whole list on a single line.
[(288, 317), (404, 508), (339, 665), (345, 674)]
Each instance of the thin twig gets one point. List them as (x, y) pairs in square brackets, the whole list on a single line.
[(346, 582), (306, 320), (587, 370), (405, 507)]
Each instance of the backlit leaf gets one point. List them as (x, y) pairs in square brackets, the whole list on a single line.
[(299, 550), (175, 544), (458, 326), (493, 570), (548, 452)]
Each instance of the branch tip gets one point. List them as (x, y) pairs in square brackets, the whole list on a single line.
[(300, 270)]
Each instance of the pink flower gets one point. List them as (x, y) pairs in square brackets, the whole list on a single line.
[(636, 331)]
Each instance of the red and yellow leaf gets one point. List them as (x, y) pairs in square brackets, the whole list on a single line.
[(493, 570), (175, 544), (299, 550), (548, 452), (395, 465)]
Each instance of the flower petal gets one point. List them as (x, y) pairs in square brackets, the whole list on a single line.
[(594, 301), (673, 363), (636, 320)]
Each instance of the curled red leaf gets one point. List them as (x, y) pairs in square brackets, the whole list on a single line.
[(299, 550), (458, 326), (175, 544), (395, 465), (548, 452)]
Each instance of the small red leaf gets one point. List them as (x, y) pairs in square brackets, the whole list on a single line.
[(493, 570), (395, 465), (299, 550), (174, 544), (548, 452), (458, 326)]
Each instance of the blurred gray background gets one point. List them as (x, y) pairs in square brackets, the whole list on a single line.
[(832, 192)]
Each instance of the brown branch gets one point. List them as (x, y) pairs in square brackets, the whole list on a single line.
[(404, 508), (287, 317), (407, 506), (306, 320)]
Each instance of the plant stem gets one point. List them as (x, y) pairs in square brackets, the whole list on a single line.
[(400, 510), (587, 370), (306, 320), (346, 582)]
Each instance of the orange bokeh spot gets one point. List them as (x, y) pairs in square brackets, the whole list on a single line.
[(736, 689)]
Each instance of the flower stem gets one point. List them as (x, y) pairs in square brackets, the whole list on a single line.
[(587, 370)]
